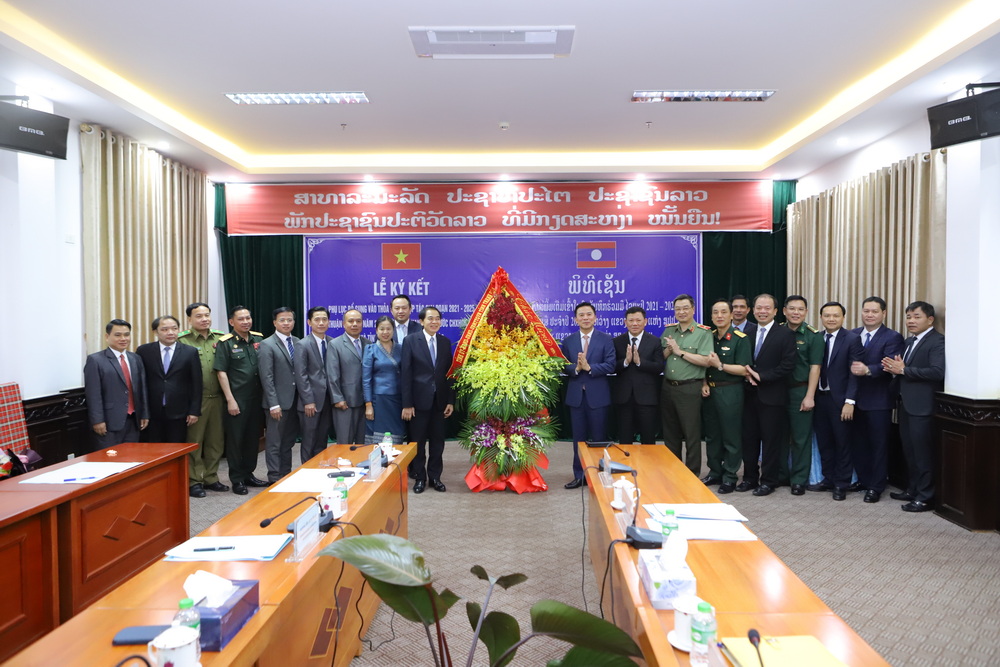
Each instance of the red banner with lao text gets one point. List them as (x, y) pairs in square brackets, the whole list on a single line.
[(470, 208)]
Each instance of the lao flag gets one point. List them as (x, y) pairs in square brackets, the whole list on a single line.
[(596, 255), (400, 256)]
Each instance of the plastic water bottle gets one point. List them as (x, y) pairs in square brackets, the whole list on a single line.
[(668, 526), (188, 615), (702, 633), (340, 491), (386, 441)]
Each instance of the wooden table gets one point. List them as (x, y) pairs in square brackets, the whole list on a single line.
[(62, 546), (298, 621), (749, 586)]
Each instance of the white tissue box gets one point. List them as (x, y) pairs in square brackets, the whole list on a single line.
[(663, 584)]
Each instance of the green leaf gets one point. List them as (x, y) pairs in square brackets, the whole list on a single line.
[(580, 628), (500, 631), (509, 580), (480, 572), (414, 602), (473, 610), (383, 557), (585, 657)]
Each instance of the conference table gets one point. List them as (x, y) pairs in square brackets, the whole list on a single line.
[(746, 583), (64, 545), (312, 612)]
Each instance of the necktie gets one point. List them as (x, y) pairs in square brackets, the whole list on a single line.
[(432, 347), (357, 346), (909, 348), (128, 383), (826, 364), (291, 348), (760, 340), (322, 349), (586, 343), (166, 358), (868, 338)]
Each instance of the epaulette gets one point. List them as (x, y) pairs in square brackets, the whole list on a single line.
[(812, 328), (184, 333), (739, 333), (256, 333), (706, 328), (221, 333), (226, 337)]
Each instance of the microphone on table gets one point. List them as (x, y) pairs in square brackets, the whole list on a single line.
[(355, 447), (641, 538), (754, 638), (606, 443), (326, 521), (267, 522)]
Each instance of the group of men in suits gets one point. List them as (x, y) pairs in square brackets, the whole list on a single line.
[(759, 390)]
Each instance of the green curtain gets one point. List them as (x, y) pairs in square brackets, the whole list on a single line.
[(260, 272), (748, 263)]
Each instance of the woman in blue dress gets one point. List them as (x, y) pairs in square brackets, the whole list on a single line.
[(380, 367)]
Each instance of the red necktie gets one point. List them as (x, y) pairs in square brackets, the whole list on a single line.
[(128, 383)]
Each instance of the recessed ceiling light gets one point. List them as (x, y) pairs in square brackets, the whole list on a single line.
[(701, 95), (298, 98), (493, 42)]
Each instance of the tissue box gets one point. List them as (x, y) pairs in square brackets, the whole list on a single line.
[(220, 624), (663, 584)]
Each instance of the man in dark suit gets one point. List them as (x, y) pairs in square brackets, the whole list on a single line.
[(114, 383), (591, 355), (635, 389), (765, 418), (343, 372), (873, 409), (401, 309), (313, 385), (428, 396), (173, 381), (919, 374), (835, 398), (741, 308), (277, 379)]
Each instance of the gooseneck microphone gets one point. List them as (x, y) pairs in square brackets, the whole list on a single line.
[(355, 447), (641, 538), (267, 522), (621, 450), (754, 638)]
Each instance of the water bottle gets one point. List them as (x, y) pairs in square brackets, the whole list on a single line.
[(702, 634), (386, 443), (668, 526), (189, 616), (340, 491)]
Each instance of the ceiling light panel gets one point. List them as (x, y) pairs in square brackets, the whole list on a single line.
[(646, 96), (492, 42), (298, 98)]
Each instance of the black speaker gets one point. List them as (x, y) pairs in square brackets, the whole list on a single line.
[(30, 131), (965, 119)]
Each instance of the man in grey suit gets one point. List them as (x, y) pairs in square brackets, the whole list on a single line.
[(343, 371), (918, 373), (311, 382), (114, 382), (277, 378)]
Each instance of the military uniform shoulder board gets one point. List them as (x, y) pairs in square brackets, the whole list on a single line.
[(184, 333), (739, 333), (256, 333), (221, 333), (706, 328), (226, 337), (812, 328)]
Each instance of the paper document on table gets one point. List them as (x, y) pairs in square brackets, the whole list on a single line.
[(717, 511), (781, 652), (314, 480), (236, 547), (84, 472), (702, 529)]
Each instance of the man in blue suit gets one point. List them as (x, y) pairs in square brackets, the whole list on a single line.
[(403, 325), (591, 355), (873, 409), (114, 382), (835, 398)]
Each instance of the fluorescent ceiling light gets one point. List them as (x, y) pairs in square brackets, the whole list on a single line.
[(298, 98), (701, 95), (493, 42)]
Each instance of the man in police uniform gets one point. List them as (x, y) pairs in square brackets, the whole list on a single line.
[(203, 468), (801, 395), (686, 346), (239, 377), (723, 407)]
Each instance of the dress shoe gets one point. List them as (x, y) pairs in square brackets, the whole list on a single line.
[(197, 491), (900, 495), (216, 486), (855, 487), (798, 490), (438, 485), (575, 484), (710, 480), (872, 496), (746, 486), (917, 506), (763, 490), (259, 483), (240, 489), (840, 494), (419, 486), (726, 488), (822, 486)]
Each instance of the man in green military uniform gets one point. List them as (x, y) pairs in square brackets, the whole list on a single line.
[(801, 395), (722, 412), (203, 468), (686, 346), (239, 377)]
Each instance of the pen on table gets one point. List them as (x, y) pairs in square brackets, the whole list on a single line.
[(79, 479), (725, 652), (213, 549)]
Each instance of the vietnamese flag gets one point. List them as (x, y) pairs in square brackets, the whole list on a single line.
[(400, 256), (596, 255)]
